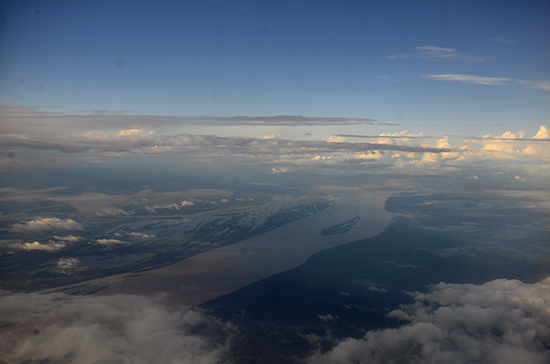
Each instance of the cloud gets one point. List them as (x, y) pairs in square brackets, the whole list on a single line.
[(45, 224), (68, 263), (107, 329), (13, 164), (110, 242), (327, 317), (434, 53), (538, 85), (478, 80), (58, 243), (507, 40), (52, 245), (26, 110), (502, 321), (28, 120), (100, 204), (142, 235), (134, 132), (491, 81), (105, 111), (542, 133), (277, 170), (188, 144)]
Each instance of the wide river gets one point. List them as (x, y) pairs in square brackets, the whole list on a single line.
[(220, 271)]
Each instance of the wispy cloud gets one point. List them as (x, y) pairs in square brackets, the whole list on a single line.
[(119, 119), (538, 85), (434, 53), (493, 81), (512, 40), (105, 111), (25, 110)]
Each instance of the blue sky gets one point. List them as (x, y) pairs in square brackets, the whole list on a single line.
[(354, 59)]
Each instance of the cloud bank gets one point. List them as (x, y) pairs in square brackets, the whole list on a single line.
[(189, 144), (58, 328), (502, 321)]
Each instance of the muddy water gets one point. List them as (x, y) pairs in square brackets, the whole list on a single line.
[(221, 271)]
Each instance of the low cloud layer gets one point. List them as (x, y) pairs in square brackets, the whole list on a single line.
[(100, 204), (189, 144), (58, 328), (503, 321), (41, 121)]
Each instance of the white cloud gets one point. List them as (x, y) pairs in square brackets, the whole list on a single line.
[(502, 321), (45, 224), (197, 145), (52, 245), (110, 242), (142, 235), (68, 263), (538, 85), (328, 317), (107, 329), (434, 53), (493, 81), (282, 170), (542, 133), (69, 238), (127, 132)]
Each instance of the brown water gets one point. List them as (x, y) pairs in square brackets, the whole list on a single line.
[(217, 272)]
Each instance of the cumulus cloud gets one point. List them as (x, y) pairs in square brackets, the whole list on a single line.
[(45, 224), (502, 321), (49, 247), (142, 235), (58, 243), (127, 132), (107, 329), (110, 242)]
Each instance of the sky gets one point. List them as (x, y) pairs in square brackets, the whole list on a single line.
[(431, 66), (130, 128)]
